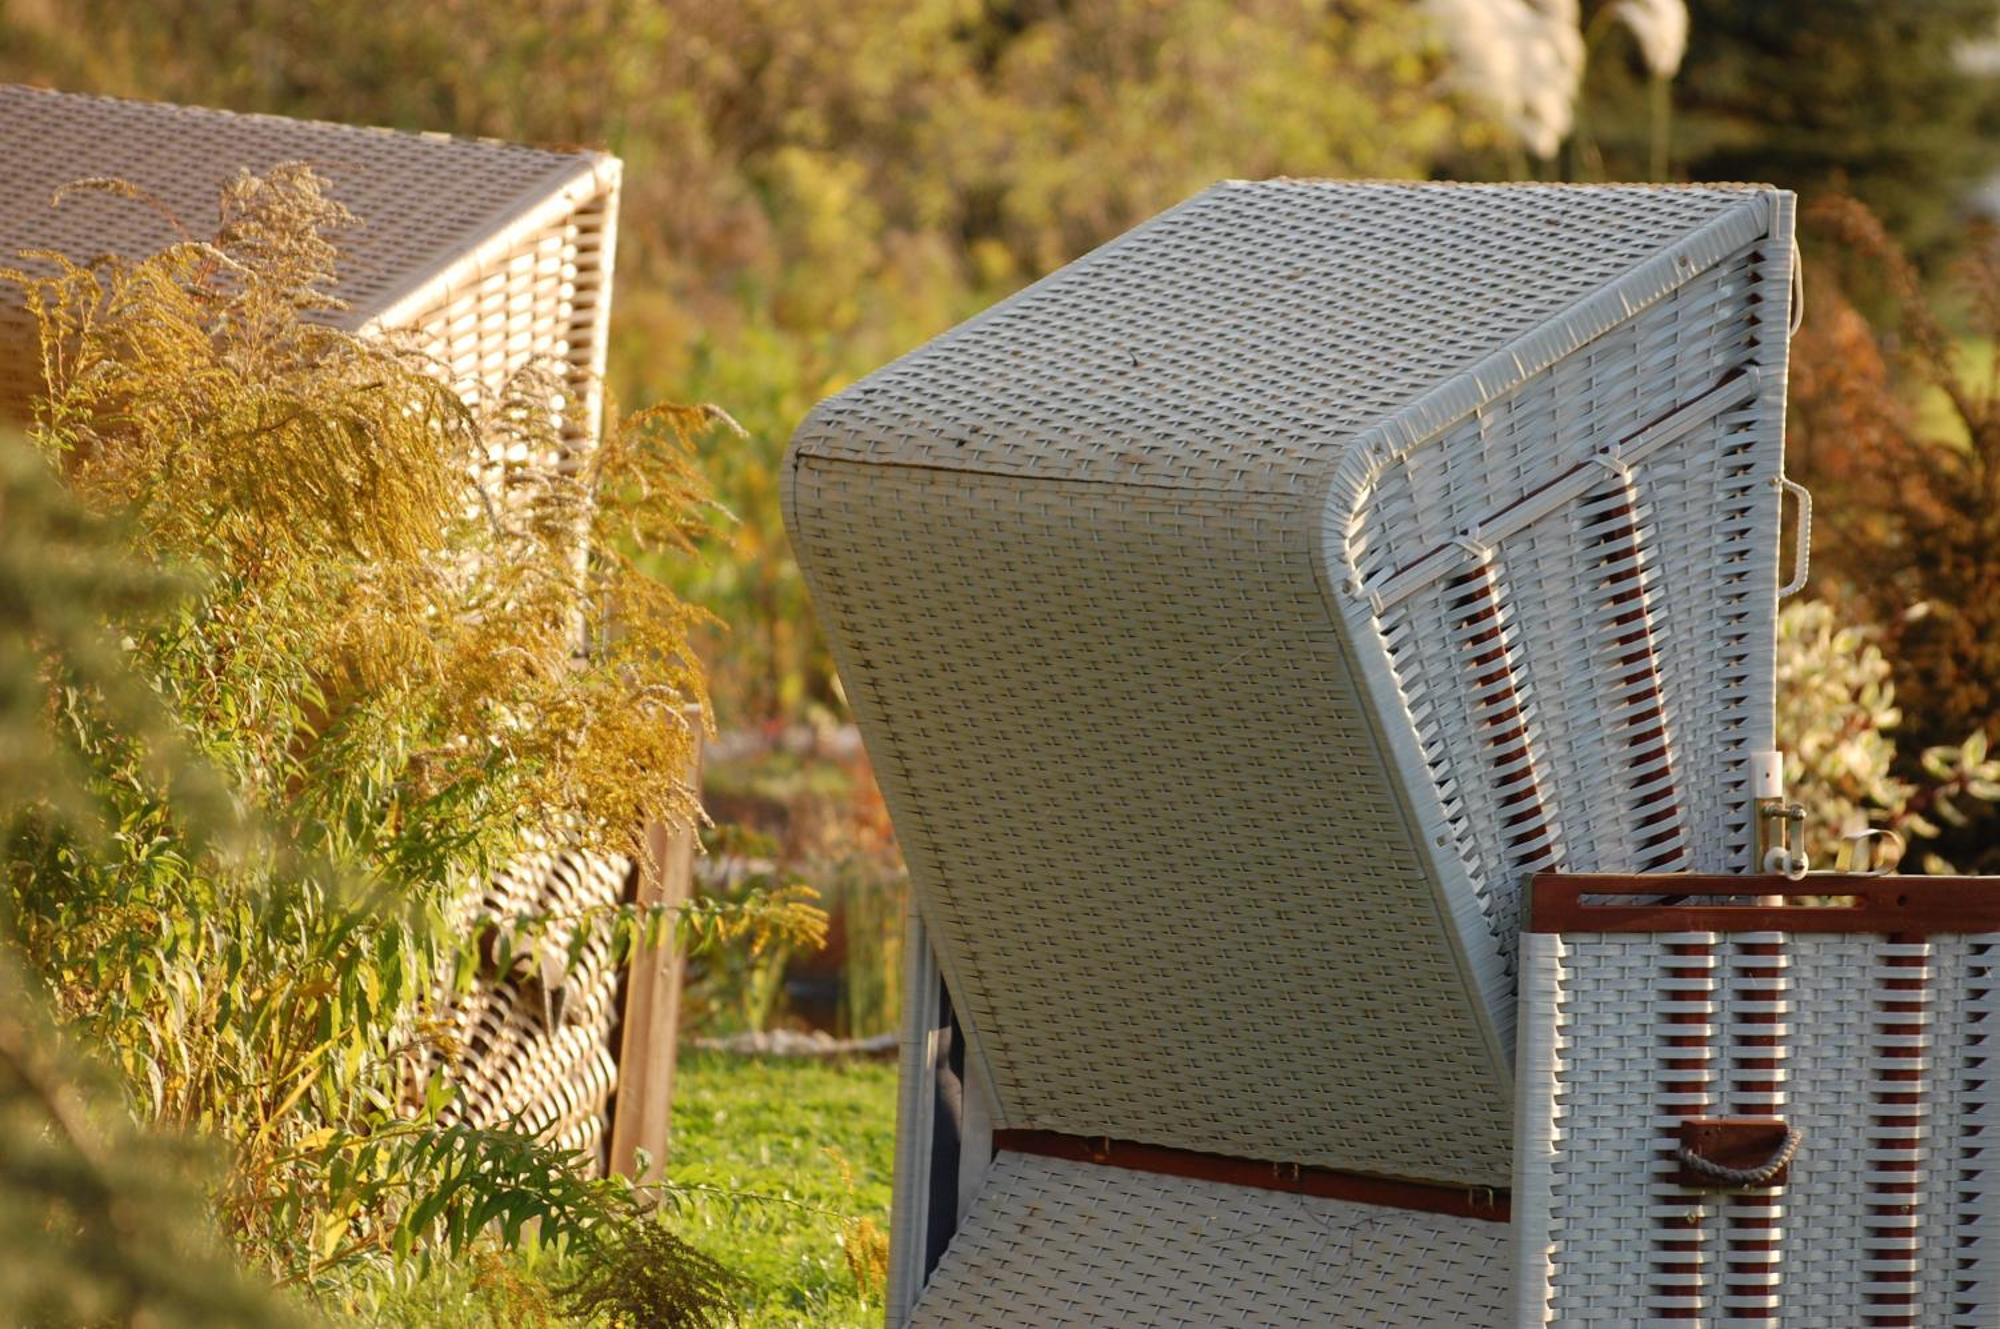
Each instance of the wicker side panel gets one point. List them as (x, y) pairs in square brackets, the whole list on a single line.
[(1053, 1244), (1637, 648), (541, 301), (1877, 1048), (1903, 1093), (534, 1043), (1962, 1188), (1155, 843)]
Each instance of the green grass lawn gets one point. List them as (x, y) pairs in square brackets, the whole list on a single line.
[(817, 1141), (783, 1158)]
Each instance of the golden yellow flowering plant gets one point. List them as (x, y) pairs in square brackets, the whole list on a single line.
[(417, 632)]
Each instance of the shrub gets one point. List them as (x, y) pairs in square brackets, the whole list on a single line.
[(644, 1277), (1896, 426), (1837, 717), (100, 1222)]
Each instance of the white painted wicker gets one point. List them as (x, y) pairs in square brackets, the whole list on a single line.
[(494, 255), (533, 1047), (1056, 1243), (1237, 616), (1873, 1039)]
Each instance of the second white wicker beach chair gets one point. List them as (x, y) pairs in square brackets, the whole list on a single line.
[(488, 257), (1236, 618)]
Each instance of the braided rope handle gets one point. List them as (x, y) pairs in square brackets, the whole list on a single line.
[(1802, 543), (1754, 1176)]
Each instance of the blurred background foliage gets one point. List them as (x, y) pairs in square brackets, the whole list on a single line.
[(1894, 104)]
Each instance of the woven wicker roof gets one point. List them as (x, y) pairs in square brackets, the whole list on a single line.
[(424, 199), (496, 253), (1240, 338)]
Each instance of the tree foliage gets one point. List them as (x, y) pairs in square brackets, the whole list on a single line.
[(1871, 99)]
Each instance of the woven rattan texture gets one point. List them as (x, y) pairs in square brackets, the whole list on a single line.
[(533, 1045), (1160, 862), (1220, 847), (1054, 1244), (543, 300), (1878, 1048), (426, 202), (1240, 340)]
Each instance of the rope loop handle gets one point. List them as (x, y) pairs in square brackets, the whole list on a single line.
[(1737, 1176), (1802, 547)]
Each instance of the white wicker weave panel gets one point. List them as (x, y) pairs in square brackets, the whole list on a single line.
[(1830, 1063), (1630, 615), (1886, 1218), (538, 301), (430, 206), (1053, 1244), (1962, 1186), (542, 1058), (1610, 1217), (1161, 867)]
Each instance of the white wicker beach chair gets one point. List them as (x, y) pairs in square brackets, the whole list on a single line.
[(1236, 618), (493, 257), (1852, 1044)]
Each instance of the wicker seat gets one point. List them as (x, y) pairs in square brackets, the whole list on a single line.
[(1056, 1243), (1238, 616), (493, 257)]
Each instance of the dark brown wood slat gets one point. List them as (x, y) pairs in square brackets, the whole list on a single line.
[(1493, 1206), (1698, 902)]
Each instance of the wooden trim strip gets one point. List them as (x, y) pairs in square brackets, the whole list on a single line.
[(1698, 902), (1477, 1202)]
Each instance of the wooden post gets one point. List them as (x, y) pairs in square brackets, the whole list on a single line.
[(643, 1107)]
